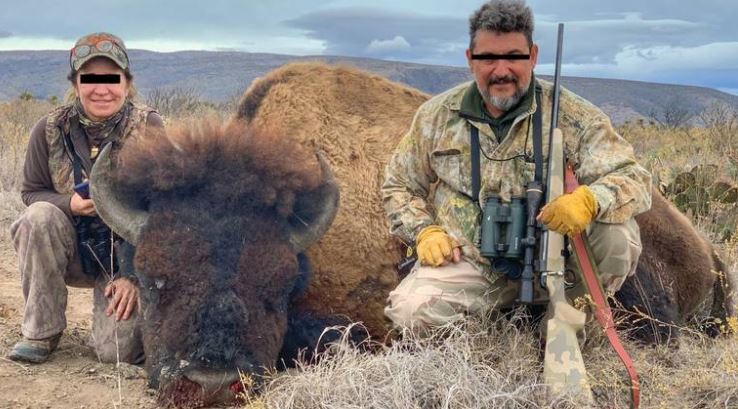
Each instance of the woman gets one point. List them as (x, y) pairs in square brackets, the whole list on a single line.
[(59, 239)]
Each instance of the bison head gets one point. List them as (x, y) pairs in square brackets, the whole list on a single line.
[(218, 216)]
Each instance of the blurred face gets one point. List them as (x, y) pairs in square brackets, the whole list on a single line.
[(101, 100), (501, 82)]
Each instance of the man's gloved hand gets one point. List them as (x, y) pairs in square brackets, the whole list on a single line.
[(436, 248), (570, 213)]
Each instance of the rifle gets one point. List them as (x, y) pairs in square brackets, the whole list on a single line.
[(563, 365)]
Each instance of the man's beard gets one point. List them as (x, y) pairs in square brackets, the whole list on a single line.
[(503, 103)]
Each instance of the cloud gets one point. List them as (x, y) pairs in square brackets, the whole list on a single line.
[(722, 56), (600, 40), (256, 44), (34, 43), (650, 40), (714, 12), (388, 34), (631, 39), (382, 46), (733, 91), (171, 23), (712, 65)]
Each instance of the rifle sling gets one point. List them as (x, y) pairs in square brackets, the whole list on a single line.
[(603, 314)]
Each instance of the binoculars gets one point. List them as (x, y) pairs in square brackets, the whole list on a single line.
[(94, 244), (503, 234)]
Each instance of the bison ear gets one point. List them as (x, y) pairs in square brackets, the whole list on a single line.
[(314, 210), (120, 211)]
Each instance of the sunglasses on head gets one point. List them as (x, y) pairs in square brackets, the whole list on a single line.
[(104, 45), (84, 50)]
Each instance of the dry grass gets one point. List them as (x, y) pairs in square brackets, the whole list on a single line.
[(667, 153), (16, 120), (482, 364), (466, 365), (494, 364)]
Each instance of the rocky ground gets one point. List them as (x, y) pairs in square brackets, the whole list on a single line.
[(73, 377)]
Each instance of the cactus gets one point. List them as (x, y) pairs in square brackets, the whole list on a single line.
[(704, 193)]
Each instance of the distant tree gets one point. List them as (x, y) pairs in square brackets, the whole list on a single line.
[(721, 121), (53, 100), (172, 102), (231, 104), (25, 96), (674, 113)]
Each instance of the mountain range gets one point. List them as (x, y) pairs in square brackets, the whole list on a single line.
[(220, 76)]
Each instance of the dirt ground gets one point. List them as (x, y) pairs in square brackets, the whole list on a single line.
[(73, 377)]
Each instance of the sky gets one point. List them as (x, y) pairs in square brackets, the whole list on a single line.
[(676, 41)]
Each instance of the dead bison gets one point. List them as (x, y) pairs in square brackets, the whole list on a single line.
[(221, 217)]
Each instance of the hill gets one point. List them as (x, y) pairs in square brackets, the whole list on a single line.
[(221, 75)]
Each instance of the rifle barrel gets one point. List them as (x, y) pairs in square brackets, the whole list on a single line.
[(557, 79)]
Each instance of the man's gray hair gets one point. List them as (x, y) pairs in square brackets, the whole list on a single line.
[(502, 16)]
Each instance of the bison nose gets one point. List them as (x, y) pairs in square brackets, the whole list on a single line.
[(219, 386), (220, 325)]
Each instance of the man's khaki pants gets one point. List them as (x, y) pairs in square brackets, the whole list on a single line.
[(433, 296), (46, 243)]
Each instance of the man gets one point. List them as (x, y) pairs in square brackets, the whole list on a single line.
[(427, 191)]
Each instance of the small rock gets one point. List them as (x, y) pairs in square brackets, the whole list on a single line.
[(128, 371)]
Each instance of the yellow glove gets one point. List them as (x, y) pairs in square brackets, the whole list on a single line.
[(435, 247), (570, 213)]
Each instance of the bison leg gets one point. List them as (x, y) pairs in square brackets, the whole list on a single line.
[(724, 299), (309, 334), (646, 308)]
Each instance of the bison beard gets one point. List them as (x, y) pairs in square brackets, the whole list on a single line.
[(223, 282)]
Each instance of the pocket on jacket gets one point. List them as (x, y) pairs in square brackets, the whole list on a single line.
[(453, 168)]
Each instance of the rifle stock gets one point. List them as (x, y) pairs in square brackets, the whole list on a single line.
[(563, 365)]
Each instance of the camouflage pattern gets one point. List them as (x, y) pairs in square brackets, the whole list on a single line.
[(57, 125), (433, 296), (616, 249), (428, 180), (118, 53), (563, 365), (46, 244)]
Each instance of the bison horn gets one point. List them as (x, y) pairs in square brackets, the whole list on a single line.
[(315, 210), (117, 210)]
